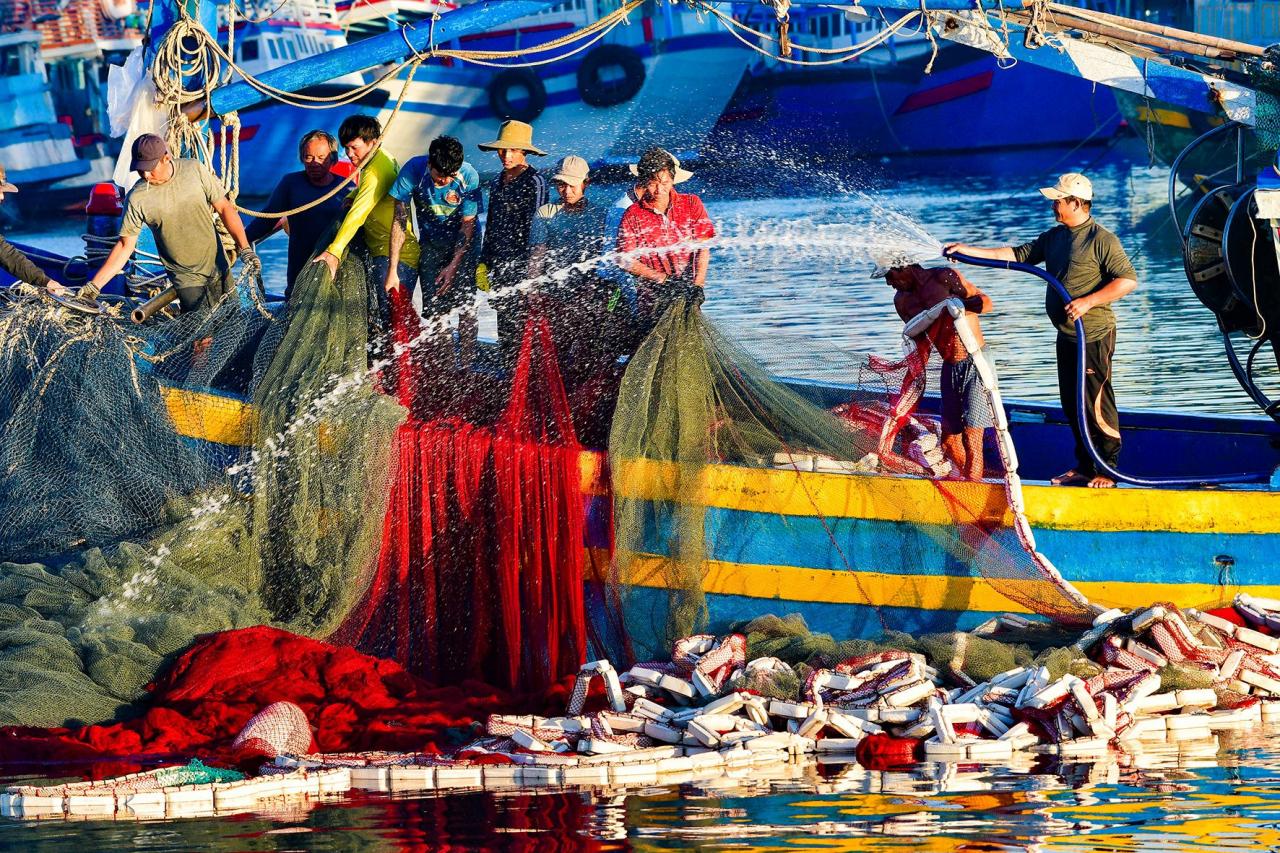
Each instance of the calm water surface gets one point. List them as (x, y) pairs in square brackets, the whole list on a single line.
[(791, 269), (1208, 795), (791, 280)]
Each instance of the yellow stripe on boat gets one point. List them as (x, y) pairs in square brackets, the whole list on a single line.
[(226, 420), (921, 501), (208, 417), (926, 592)]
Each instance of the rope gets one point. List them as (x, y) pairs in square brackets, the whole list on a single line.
[(377, 146), (843, 54)]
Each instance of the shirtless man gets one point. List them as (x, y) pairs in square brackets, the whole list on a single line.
[(966, 409)]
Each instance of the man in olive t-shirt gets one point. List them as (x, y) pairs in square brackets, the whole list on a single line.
[(177, 200), (1093, 267)]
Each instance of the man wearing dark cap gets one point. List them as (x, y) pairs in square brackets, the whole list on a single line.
[(658, 239), (177, 200), (17, 264)]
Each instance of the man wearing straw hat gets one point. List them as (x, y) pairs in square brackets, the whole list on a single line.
[(17, 264), (514, 198), (1093, 267)]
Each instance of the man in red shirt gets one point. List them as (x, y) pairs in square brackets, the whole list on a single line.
[(658, 239)]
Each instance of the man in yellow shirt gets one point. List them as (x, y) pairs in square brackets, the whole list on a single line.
[(372, 212)]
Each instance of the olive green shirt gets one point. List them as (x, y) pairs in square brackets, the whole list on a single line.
[(1083, 258), (180, 214)]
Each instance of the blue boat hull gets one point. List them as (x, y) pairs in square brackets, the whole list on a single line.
[(967, 104)]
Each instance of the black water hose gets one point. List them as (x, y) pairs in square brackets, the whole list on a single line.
[(1082, 404)]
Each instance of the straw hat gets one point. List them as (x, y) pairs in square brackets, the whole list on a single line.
[(513, 134), (5, 186)]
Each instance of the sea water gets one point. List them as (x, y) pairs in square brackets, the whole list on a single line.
[(790, 276), (791, 279)]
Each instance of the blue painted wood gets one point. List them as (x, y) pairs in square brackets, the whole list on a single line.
[(394, 46), (165, 13), (912, 5), (1100, 63)]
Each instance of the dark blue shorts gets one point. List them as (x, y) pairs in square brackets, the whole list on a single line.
[(964, 401)]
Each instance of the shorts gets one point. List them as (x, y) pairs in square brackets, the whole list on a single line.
[(965, 403), (431, 259), (206, 295)]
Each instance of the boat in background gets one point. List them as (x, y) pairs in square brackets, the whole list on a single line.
[(35, 146), (664, 81), (883, 103)]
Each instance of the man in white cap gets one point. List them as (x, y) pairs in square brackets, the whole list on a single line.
[(1092, 265), (626, 285), (17, 264), (568, 240)]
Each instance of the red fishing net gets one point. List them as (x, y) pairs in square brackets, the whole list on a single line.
[(481, 572)]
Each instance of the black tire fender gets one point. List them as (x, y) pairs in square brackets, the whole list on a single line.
[(500, 100), (599, 92)]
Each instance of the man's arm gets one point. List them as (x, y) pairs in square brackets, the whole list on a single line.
[(466, 233), (118, 257), (974, 300), (396, 243), (226, 211), (1001, 253), (1111, 291), (20, 267), (1122, 280), (701, 260)]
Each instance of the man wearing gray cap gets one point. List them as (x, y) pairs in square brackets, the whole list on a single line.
[(17, 264), (177, 199), (568, 243), (1092, 265)]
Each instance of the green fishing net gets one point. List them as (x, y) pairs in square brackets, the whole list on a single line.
[(708, 454), (690, 399), (126, 533)]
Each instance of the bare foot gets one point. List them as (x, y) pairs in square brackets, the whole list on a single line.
[(1101, 482), (1070, 478)]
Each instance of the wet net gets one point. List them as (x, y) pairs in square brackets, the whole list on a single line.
[(720, 474), (215, 470)]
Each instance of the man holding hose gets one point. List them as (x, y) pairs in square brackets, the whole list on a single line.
[(1093, 267)]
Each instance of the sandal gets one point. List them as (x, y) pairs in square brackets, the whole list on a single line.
[(1070, 478)]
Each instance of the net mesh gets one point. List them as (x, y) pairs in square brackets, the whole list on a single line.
[(695, 413), (216, 470)]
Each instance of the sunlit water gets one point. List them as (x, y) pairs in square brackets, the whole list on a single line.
[(791, 280), (1221, 794)]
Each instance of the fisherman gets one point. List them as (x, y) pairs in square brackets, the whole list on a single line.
[(19, 265), (445, 190), (966, 407), (372, 212), (623, 302), (1092, 265), (174, 199), (318, 152), (514, 197), (656, 237), (568, 241)]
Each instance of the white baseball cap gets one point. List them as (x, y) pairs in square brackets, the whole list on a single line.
[(1071, 184), (572, 170)]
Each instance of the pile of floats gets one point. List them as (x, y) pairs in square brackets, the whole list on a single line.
[(705, 715)]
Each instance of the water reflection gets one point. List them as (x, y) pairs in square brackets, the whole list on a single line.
[(1206, 793)]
